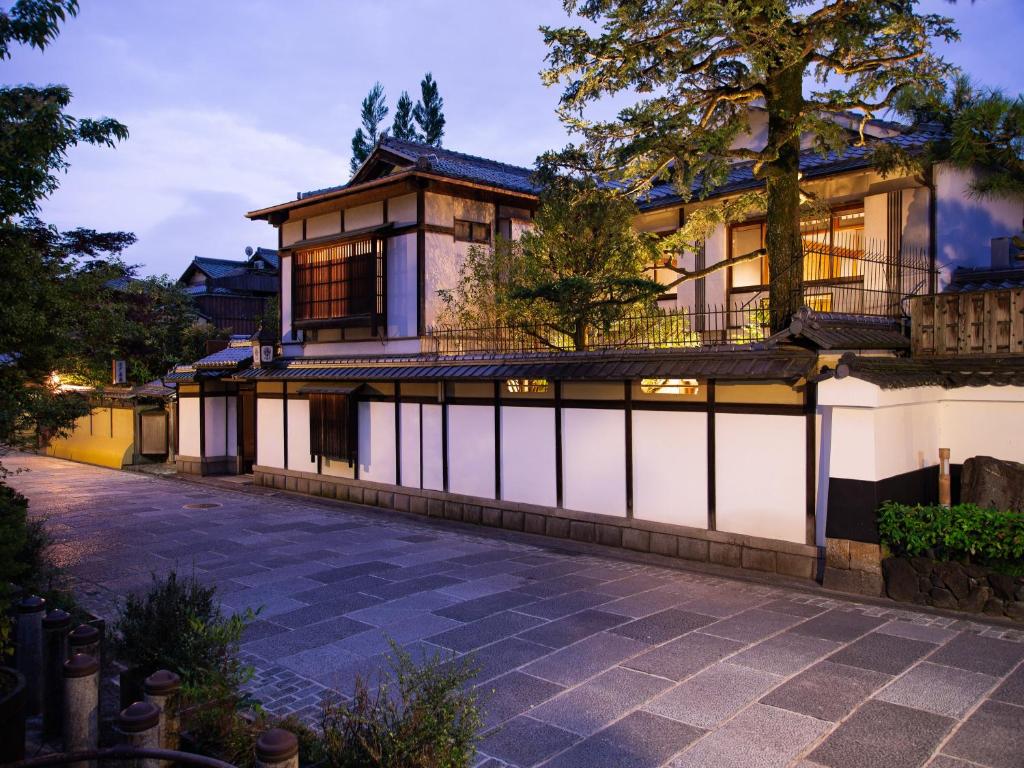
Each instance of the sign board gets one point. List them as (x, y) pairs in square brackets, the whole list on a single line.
[(119, 373), (262, 353)]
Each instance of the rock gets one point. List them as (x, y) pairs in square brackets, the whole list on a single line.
[(993, 607), (1015, 610), (924, 583), (954, 579), (976, 571), (936, 580), (942, 598), (922, 565), (993, 483), (975, 600), (1019, 592), (900, 579), (1002, 585)]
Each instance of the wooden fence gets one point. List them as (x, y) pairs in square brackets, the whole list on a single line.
[(976, 323)]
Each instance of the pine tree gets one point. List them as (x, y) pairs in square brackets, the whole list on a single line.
[(429, 113), (694, 68), (373, 111), (403, 127)]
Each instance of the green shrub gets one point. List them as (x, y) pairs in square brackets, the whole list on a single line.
[(420, 717), (964, 532)]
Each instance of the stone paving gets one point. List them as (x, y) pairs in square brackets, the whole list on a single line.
[(585, 660)]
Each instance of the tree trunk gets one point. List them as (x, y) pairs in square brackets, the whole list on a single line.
[(782, 177), (579, 336)]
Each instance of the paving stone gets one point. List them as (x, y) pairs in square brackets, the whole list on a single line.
[(751, 626), (827, 691), (630, 585), (928, 633), (563, 632), (389, 591), (644, 603), (563, 605), (347, 572), (785, 654), (513, 694), (559, 585), (504, 656), (1012, 689), (988, 655), (585, 659), (598, 702), (526, 742), (721, 605), (758, 737), (684, 656), (708, 698), (295, 640), (485, 631), (259, 629), (883, 653), (663, 626), (792, 608), (639, 740), (945, 761), (883, 734), (311, 614), (840, 626), (992, 736), (943, 690)]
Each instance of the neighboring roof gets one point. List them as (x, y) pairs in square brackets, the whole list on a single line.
[(268, 255), (215, 267), (967, 279), (833, 330), (154, 388), (741, 363), (203, 290), (967, 371), (237, 354)]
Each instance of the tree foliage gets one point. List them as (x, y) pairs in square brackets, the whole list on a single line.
[(429, 112), (691, 71), (372, 113), (403, 127)]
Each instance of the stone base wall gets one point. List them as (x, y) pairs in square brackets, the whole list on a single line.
[(854, 567), (736, 550), (957, 586), (213, 465)]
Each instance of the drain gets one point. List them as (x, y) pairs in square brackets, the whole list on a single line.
[(201, 505)]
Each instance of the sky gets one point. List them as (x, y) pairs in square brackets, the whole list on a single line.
[(234, 105)]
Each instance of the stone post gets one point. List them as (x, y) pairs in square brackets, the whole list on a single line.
[(162, 691), (30, 651), (81, 705), (55, 635), (277, 748), (86, 639), (139, 726), (945, 492)]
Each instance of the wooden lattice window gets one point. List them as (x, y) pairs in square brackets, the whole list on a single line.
[(472, 231), (339, 281), (331, 426)]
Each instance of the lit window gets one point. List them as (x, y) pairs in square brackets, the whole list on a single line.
[(669, 386), (527, 386), (472, 231)]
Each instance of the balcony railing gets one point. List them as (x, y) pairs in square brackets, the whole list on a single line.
[(970, 323)]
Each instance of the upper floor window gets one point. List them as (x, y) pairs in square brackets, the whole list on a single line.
[(339, 282), (472, 231)]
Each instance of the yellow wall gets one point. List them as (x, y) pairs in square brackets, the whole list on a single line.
[(108, 441)]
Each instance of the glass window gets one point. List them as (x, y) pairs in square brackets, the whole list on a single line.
[(472, 231), (669, 386)]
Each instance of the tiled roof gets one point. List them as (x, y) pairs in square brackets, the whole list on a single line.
[(964, 371), (216, 267), (229, 357), (967, 279), (269, 255), (832, 330), (205, 290)]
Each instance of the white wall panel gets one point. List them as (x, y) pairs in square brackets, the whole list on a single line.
[(323, 226), (286, 297), (298, 436), (528, 455), (269, 432), (216, 424), (982, 429), (433, 477), (402, 300), (471, 450), (760, 487), (906, 438), (594, 460), (410, 438), (232, 436), (670, 467), (369, 215), (291, 232), (377, 442), (188, 426), (402, 210)]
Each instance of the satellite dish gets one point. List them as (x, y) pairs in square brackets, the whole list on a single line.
[(248, 250)]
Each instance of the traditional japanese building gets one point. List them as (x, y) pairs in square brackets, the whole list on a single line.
[(233, 295)]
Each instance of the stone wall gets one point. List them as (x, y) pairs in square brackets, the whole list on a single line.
[(956, 586), (854, 567)]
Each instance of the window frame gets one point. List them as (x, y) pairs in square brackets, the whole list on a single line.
[(336, 292), (473, 227)]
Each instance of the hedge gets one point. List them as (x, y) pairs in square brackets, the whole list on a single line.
[(965, 532)]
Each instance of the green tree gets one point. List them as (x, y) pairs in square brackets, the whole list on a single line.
[(372, 114), (691, 70), (429, 112), (403, 127)]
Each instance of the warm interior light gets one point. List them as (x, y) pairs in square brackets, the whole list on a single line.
[(669, 386), (525, 386)]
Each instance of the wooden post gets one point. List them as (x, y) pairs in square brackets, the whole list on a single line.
[(277, 748), (81, 705), (945, 495), (30, 651), (139, 726)]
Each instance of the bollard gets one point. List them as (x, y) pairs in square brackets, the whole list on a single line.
[(139, 725), (277, 748), (162, 691), (85, 639), (945, 491), (81, 705), (30, 651), (55, 643)]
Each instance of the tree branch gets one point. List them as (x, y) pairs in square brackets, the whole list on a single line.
[(687, 275)]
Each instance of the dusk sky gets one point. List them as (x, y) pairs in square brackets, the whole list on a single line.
[(238, 105)]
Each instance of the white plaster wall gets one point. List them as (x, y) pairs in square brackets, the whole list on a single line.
[(714, 252), (402, 210), (286, 297), (188, 426), (410, 438), (442, 260), (269, 438), (670, 467), (528, 455), (324, 225), (471, 450), (401, 299), (359, 347), (433, 471), (216, 425), (291, 232), (369, 215), (298, 436), (760, 478), (438, 209), (906, 438), (377, 442), (983, 428), (594, 460), (232, 404)]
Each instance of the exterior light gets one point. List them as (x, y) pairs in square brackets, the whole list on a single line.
[(527, 386), (669, 386)]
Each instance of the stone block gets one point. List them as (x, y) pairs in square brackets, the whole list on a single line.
[(471, 514), (370, 496), (400, 501), (418, 505), (435, 508), (664, 544), (609, 535), (302, 485), (901, 579), (580, 530), (865, 557), (492, 517), (291, 483), (512, 519), (452, 510), (954, 578), (758, 559), (797, 566), (724, 554), (853, 582), (692, 549), (355, 494), (535, 523), (557, 527), (1015, 610), (637, 540), (942, 598), (993, 483), (386, 499), (837, 553)]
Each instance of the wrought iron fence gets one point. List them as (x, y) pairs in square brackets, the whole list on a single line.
[(843, 280)]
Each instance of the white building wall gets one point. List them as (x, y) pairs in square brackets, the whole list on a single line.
[(594, 460), (410, 437), (528, 455), (218, 423), (402, 210), (670, 486), (286, 297), (433, 469), (362, 216), (471, 450), (188, 426), (401, 287), (299, 457), (323, 226), (377, 442), (269, 429)]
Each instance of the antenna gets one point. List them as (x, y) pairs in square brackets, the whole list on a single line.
[(248, 250)]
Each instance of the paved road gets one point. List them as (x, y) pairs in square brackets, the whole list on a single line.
[(585, 660)]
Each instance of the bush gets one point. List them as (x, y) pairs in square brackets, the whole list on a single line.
[(420, 717), (964, 532)]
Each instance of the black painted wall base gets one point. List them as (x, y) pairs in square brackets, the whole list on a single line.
[(853, 504)]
